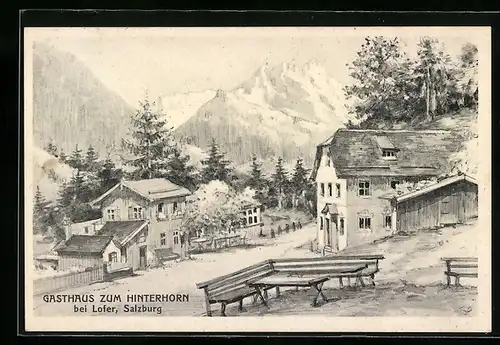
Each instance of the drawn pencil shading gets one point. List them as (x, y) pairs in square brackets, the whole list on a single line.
[(312, 186)]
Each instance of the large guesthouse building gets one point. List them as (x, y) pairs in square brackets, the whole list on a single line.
[(356, 171)]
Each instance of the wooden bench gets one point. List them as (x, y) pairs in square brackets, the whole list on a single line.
[(234, 287), (331, 266), (460, 267)]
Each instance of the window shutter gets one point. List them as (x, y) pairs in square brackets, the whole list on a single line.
[(130, 213)]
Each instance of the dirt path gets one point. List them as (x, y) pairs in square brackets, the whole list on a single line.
[(181, 277)]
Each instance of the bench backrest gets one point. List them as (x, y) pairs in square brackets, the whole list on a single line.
[(324, 265), (461, 264), (236, 280)]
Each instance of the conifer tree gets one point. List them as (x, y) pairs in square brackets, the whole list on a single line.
[(150, 141), (279, 182), (62, 157), (91, 163), (299, 180), (257, 180), (40, 212), (216, 167), (76, 159), (180, 171), (108, 176)]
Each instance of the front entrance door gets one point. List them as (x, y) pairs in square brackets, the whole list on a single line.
[(328, 232), (176, 240), (142, 257)]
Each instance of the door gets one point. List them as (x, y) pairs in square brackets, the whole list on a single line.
[(446, 210), (328, 232), (142, 257), (176, 240)]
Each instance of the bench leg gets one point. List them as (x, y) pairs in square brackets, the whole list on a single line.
[(207, 303), (259, 293), (318, 288), (265, 295), (360, 280), (341, 283), (349, 281), (223, 309), (448, 280), (277, 291), (240, 305), (457, 280), (296, 288), (372, 278), (255, 298)]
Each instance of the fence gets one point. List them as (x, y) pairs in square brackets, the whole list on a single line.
[(68, 280)]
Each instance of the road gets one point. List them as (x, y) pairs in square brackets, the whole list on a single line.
[(181, 277)]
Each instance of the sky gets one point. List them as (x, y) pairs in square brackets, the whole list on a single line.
[(165, 61)]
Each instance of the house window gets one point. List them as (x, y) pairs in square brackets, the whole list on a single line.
[(113, 257), (249, 212), (176, 237), (163, 239), (111, 214), (255, 219), (364, 188), (394, 184), (250, 220), (255, 209), (175, 207), (389, 154), (161, 211), (330, 189), (337, 189), (137, 213), (86, 229), (322, 189), (321, 225), (388, 222), (341, 226), (365, 223)]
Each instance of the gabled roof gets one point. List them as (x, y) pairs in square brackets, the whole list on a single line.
[(150, 189), (123, 231), (85, 244), (445, 182), (358, 152)]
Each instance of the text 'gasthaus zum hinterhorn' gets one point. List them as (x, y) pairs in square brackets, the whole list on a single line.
[(113, 303)]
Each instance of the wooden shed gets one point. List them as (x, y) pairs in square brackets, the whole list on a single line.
[(85, 251), (452, 200)]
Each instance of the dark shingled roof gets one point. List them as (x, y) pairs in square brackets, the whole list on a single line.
[(85, 244), (420, 153), (121, 229)]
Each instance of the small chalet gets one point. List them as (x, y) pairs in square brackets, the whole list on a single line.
[(353, 168), (145, 215), (131, 236), (85, 251), (251, 214)]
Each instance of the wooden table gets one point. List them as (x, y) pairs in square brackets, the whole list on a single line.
[(313, 277), (278, 280)]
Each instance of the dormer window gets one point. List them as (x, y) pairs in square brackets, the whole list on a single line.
[(387, 147), (389, 154)]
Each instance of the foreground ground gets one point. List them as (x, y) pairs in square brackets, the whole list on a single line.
[(410, 282)]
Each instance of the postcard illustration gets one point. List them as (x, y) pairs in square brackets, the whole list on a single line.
[(229, 175)]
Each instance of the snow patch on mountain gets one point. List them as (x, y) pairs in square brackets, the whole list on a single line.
[(180, 107)]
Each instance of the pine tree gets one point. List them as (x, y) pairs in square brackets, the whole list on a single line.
[(108, 176), (179, 170), (279, 181), (62, 157), (299, 181), (91, 163), (257, 180), (76, 159), (51, 148), (216, 167), (40, 212), (150, 141)]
